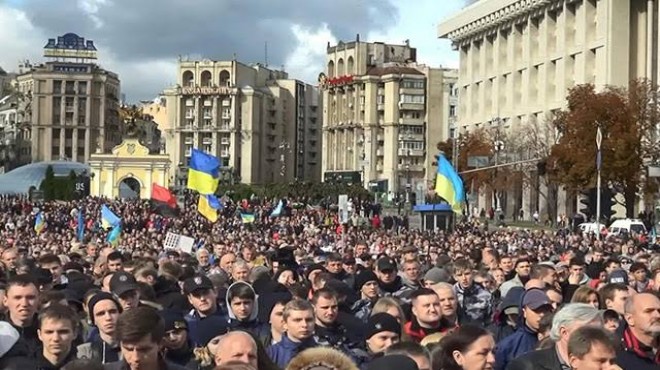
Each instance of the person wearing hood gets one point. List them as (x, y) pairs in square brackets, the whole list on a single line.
[(366, 282), (534, 305), (271, 311), (202, 296), (389, 282), (22, 302), (507, 316), (177, 346), (243, 307)]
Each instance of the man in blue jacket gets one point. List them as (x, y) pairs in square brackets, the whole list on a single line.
[(299, 325), (535, 304)]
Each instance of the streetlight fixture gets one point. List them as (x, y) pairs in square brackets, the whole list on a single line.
[(599, 159)]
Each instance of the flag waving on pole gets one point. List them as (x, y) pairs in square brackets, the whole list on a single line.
[(203, 172), (448, 184), (163, 202), (39, 223)]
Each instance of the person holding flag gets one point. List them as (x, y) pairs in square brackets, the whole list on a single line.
[(39, 223)]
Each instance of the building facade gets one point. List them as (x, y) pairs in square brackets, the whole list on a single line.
[(518, 58), (263, 126), (383, 115), (71, 102)]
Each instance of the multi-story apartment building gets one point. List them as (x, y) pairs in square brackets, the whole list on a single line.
[(383, 115), (71, 102), (518, 58), (263, 125)]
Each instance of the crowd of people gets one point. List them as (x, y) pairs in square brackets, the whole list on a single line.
[(301, 291)]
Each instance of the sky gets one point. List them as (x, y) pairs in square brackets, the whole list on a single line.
[(142, 39)]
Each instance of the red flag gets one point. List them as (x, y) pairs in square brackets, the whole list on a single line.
[(162, 201)]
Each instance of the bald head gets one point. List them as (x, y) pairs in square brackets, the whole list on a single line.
[(535, 283), (236, 346), (640, 301)]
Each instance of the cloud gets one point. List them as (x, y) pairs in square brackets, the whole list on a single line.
[(141, 38)]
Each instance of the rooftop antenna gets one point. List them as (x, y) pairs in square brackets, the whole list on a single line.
[(266, 53)]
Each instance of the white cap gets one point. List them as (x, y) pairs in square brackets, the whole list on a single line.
[(8, 337)]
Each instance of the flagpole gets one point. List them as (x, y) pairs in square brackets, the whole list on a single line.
[(599, 140)]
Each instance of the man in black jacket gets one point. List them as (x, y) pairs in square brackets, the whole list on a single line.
[(22, 301), (57, 330), (571, 317)]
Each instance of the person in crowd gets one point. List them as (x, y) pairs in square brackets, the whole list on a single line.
[(321, 358), (468, 348), (328, 331), (597, 263), (103, 311), (201, 295), (22, 302), (425, 315), (333, 264), (299, 334), (237, 346), (507, 317), (115, 261), (641, 347), (576, 278), (415, 351), (568, 319), (53, 264), (382, 331), (244, 310), (125, 288), (639, 272), (591, 348), (388, 281), (240, 271), (227, 262), (474, 301), (534, 305), (203, 261), (614, 297), (140, 332), (588, 295), (57, 331), (366, 282), (448, 305), (410, 273), (177, 347), (522, 270)]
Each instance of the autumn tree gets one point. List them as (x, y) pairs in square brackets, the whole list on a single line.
[(627, 118)]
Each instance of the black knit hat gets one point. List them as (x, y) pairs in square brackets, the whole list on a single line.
[(98, 297), (381, 322), (363, 278), (393, 362)]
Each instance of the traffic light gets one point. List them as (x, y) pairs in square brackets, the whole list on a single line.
[(589, 198)]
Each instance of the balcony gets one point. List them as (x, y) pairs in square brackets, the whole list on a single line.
[(188, 140), (225, 128), (207, 115), (379, 152), (207, 141), (188, 152), (226, 115), (224, 141), (379, 167), (190, 103), (190, 115), (224, 153), (208, 103), (69, 108), (412, 106), (411, 137), (410, 167), (403, 152), (226, 102)]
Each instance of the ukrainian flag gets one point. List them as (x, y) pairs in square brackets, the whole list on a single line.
[(448, 185), (39, 223), (208, 206), (247, 218), (108, 218), (203, 172), (113, 236)]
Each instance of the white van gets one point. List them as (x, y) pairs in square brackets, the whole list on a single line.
[(591, 228), (627, 226)]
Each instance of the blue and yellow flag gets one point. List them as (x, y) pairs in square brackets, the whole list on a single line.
[(108, 218), (203, 172), (448, 185), (208, 206), (247, 218), (39, 223), (278, 210), (114, 234)]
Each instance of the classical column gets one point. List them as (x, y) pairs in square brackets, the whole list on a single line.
[(649, 39)]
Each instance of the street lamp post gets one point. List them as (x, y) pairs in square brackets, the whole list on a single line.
[(599, 140)]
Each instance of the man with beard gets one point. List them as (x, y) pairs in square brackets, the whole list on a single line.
[(22, 302), (641, 344), (103, 312), (389, 282)]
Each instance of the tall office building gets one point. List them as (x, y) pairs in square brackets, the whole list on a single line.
[(263, 125), (383, 115), (518, 58), (71, 102)]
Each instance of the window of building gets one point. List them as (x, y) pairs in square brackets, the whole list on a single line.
[(452, 111), (412, 84), (412, 99), (57, 86), (380, 99)]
